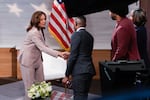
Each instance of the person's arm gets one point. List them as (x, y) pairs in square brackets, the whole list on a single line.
[(75, 42), (37, 39)]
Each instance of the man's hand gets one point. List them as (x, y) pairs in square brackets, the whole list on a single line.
[(65, 79), (66, 54)]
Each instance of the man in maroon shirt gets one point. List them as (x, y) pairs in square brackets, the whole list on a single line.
[(124, 44)]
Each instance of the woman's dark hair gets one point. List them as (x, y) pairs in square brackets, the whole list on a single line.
[(139, 17), (35, 20)]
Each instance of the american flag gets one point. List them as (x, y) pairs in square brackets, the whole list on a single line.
[(60, 26)]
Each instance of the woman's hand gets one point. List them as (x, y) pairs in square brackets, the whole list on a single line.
[(64, 55)]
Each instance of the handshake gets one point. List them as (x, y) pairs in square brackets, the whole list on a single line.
[(64, 54)]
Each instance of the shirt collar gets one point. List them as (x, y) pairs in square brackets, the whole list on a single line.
[(80, 28)]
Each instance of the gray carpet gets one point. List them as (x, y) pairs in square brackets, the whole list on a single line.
[(15, 91)]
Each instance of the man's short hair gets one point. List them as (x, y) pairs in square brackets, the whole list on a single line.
[(81, 21)]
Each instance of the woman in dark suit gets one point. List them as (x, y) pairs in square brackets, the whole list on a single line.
[(30, 55), (139, 19)]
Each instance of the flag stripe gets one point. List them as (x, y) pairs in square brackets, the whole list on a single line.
[(57, 36), (53, 26), (60, 26), (59, 13), (71, 22), (56, 27)]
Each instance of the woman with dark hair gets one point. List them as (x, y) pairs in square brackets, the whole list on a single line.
[(30, 55), (139, 19)]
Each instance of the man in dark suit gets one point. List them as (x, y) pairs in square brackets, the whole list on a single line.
[(80, 66)]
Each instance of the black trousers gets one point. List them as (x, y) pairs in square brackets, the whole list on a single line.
[(81, 85)]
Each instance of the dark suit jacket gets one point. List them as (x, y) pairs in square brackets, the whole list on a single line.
[(80, 59), (142, 44)]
